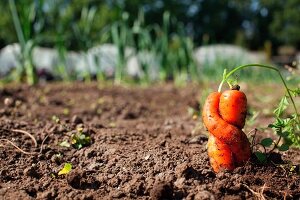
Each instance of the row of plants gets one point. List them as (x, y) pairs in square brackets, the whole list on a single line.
[(169, 44)]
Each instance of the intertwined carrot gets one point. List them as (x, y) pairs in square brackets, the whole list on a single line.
[(224, 117)]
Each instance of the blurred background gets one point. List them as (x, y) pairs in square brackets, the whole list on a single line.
[(145, 41)]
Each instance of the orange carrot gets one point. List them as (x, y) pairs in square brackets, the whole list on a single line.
[(220, 155), (226, 135), (233, 107)]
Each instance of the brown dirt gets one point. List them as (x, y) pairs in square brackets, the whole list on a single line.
[(144, 146)]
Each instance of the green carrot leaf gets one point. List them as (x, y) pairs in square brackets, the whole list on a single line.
[(266, 142), (283, 104), (261, 156), (283, 147)]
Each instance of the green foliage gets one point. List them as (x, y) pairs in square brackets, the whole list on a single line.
[(23, 31), (55, 119), (285, 24), (82, 30), (121, 36), (262, 157), (283, 104), (207, 21), (81, 25), (266, 142), (283, 147), (66, 169), (286, 127), (80, 139), (44, 19)]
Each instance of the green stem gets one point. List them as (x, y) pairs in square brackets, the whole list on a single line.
[(262, 66), (17, 23), (275, 146)]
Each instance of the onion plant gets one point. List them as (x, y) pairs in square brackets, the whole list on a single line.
[(62, 56), (82, 31), (121, 36), (26, 43)]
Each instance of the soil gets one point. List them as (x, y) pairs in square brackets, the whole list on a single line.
[(144, 145)]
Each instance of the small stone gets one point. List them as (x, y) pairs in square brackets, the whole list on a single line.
[(147, 157), (76, 120), (9, 102)]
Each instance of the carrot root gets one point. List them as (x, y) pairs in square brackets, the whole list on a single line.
[(228, 145)]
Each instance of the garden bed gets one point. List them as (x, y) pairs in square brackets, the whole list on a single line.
[(144, 145)]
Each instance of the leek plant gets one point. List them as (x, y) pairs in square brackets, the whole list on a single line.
[(121, 36), (62, 62), (26, 43), (82, 31), (143, 45)]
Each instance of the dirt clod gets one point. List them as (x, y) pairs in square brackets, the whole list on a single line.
[(161, 191), (76, 120)]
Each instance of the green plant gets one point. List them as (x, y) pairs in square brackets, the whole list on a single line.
[(121, 36), (143, 44), (286, 127), (82, 31), (164, 52), (66, 169), (77, 140), (26, 43), (62, 63), (55, 119), (80, 140)]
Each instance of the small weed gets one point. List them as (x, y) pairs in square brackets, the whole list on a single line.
[(80, 140), (286, 127), (77, 140), (66, 111), (66, 169), (53, 175), (55, 119)]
